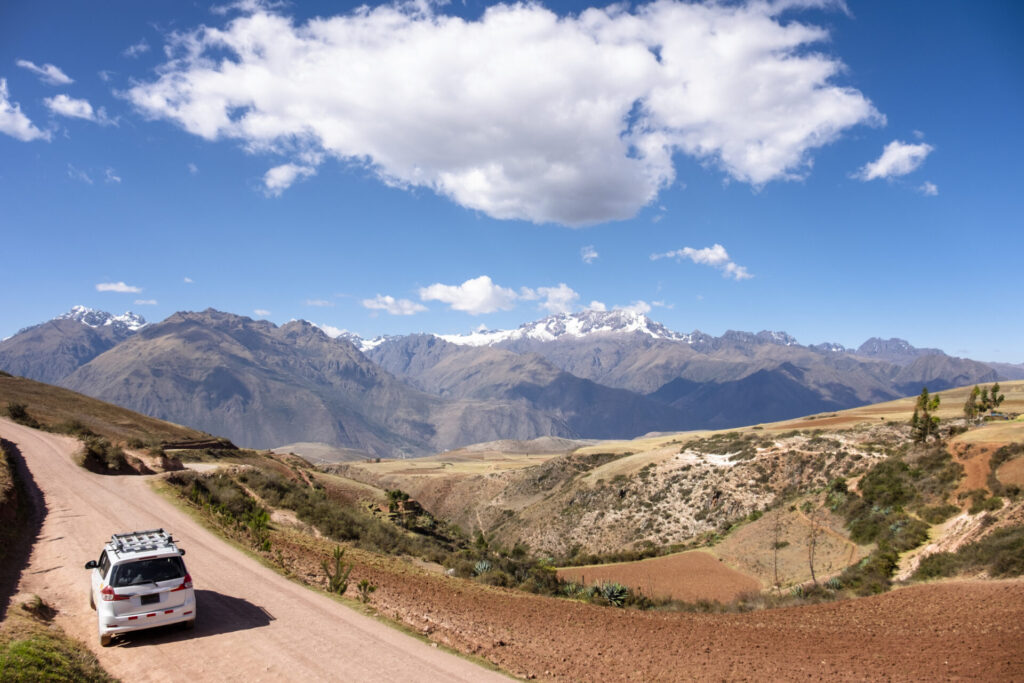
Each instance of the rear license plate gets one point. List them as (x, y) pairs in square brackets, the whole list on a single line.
[(150, 599)]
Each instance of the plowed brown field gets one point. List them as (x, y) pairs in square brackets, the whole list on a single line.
[(688, 576)]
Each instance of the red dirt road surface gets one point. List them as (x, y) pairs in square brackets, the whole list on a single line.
[(253, 625), (688, 576)]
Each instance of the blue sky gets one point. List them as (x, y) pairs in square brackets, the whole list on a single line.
[(834, 172)]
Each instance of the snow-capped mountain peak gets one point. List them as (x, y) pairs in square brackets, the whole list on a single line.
[(572, 326), (127, 322)]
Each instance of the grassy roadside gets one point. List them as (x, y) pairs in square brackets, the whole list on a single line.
[(279, 567), (32, 647)]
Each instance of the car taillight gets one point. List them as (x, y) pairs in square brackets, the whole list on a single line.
[(108, 594), (187, 583)]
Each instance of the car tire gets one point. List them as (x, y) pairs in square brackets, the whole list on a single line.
[(106, 639), (189, 625), (92, 602)]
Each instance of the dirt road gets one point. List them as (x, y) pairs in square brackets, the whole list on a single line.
[(253, 624)]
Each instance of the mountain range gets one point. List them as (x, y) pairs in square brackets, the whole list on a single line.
[(614, 374)]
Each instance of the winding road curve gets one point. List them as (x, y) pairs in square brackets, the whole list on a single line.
[(253, 624)]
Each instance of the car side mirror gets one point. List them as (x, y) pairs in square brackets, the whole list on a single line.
[(181, 550), (91, 564)]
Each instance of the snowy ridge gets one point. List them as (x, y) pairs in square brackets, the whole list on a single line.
[(127, 322), (573, 326)]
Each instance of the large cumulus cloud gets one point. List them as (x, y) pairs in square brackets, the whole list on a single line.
[(521, 113)]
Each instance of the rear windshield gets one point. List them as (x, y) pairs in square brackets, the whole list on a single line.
[(148, 571)]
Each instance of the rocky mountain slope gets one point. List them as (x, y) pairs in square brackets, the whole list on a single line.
[(50, 351), (485, 373), (594, 374), (262, 386)]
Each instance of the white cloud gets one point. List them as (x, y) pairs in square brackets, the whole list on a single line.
[(558, 299), (597, 306), (280, 178), (48, 73), (322, 303), (79, 174), (111, 176), (929, 189), (476, 296), (588, 254), (715, 256), (188, 280), (261, 312), (898, 158), (137, 49), (520, 114), (638, 307), (145, 302), (393, 306), (117, 287), (193, 169), (330, 330), (76, 108), (13, 122)]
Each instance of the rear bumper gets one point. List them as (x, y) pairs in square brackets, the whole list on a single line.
[(110, 625)]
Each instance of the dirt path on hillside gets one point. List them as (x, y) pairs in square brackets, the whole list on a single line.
[(253, 625)]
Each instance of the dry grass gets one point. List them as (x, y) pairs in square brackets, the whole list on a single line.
[(53, 406)]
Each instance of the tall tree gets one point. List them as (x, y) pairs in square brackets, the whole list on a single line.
[(971, 408), (923, 424), (990, 399)]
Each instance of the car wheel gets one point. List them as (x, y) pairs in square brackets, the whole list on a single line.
[(189, 625), (92, 601), (106, 639)]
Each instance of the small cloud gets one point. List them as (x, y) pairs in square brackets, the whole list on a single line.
[(929, 189), (105, 75), (475, 296), (319, 302), (261, 312), (715, 256), (246, 6), (919, 135), (79, 174), (588, 254), (145, 302), (597, 306), (330, 330), (193, 169), (76, 109), (119, 287), (557, 299), (111, 176), (638, 307), (662, 304), (188, 280), (280, 178), (13, 122), (393, 306), (48, 73), (137, 49), (898, 159)]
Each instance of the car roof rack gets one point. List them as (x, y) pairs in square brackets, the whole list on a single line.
[(136, 541)]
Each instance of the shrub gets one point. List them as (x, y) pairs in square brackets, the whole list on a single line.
[(365, 588), (337, 572), (18, 412)]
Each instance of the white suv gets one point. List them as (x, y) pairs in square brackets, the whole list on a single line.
[(140, 581)]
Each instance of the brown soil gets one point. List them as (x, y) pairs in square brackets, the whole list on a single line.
[(259, 626), (976, 459), (1012, 472), (689, 576)]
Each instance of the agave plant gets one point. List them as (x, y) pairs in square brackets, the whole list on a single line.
[(834, 584), (614, 593), (482, 567)]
